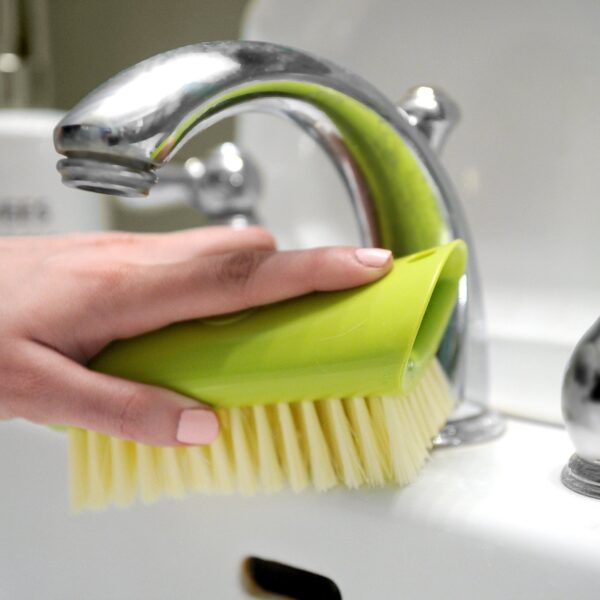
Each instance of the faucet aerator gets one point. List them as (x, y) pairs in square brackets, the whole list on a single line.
[(97, 175)]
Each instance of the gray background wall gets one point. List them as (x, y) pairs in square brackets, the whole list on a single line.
[(91, 40)]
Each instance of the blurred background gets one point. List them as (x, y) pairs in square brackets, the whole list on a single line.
[(120, 34), (72, 47)]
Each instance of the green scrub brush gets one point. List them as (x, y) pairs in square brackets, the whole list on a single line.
[(327, 389)]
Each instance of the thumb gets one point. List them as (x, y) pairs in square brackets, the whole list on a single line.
[(73, 395)]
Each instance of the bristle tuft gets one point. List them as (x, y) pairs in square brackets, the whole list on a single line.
[(199, 474), (341, 442), (148, 473), (315, 446), (123, 456), (171, 472), (223, 473), (374, 459), (242, 452), (269, 469), (288, 442)]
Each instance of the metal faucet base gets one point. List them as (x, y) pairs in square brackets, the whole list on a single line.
[(582, 476), (482, 425)]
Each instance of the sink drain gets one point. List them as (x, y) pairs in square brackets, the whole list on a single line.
[(260, 576)]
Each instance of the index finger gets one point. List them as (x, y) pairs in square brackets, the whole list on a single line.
[(149, 298)]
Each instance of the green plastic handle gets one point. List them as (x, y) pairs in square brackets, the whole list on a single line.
[(404, 201), (372, 340)]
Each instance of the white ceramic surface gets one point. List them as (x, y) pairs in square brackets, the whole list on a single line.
[(488, 522), (32, 199)]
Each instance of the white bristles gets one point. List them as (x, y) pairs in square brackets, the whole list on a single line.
[(171, 472), (376, 465), (148, 473), (244, 460), (223, 471), (200, 477), (315, 446), (99, 471), (349, 441), (292, 457), (341, 441), (123, 471), (269, 469)]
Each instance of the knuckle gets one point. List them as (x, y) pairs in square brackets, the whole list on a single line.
[(262, 237), (118, 237), (315, 267), (102, 273), (59, 263), (23, 392), (109, 276), (238, 267), (106, 239), (7, 411), (130, 418), (9, 377)]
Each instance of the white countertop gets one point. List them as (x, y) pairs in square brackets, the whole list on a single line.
[(486, 522)]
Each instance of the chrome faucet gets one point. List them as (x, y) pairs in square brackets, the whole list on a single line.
[(117, 137), (581, 412)]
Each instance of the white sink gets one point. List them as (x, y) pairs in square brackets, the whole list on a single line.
[(489, 521)]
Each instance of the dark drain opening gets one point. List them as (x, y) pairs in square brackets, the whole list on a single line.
[(276, 578)]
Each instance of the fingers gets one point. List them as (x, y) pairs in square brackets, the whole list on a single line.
[(157, 248), (167, 247), (66, 393), (225, 283)]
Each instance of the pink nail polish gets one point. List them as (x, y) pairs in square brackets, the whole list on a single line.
[(197, 426), (373, 257)]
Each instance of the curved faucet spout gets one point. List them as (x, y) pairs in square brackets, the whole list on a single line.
[(119, 135)]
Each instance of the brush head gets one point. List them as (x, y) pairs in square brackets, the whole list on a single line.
[(332, 388), (354, 442)]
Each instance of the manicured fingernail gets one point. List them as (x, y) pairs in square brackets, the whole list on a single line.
[(372, 257), (197, 426)]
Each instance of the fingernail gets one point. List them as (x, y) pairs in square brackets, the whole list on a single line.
[(372, 257), (197, 426)]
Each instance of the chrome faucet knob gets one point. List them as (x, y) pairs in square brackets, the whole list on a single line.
[(432, 112), (581, 411), (226, 186), (435, 114)]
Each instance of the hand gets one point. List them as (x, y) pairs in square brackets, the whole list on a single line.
[(64, 298)]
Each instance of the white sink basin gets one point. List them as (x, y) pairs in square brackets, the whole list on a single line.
[(489, 521)]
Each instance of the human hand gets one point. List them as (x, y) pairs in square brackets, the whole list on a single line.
[(65, 298)]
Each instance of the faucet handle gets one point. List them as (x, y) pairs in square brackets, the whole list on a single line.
[(581, 411), (432, 112), (224, 187)]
